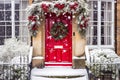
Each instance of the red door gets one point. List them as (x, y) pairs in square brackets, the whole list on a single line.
[(58, 52)]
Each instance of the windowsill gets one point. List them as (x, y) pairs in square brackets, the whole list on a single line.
[(101, 46)]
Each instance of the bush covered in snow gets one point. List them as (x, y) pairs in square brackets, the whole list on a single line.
[(103, 61), (13, 48), (14, 60)]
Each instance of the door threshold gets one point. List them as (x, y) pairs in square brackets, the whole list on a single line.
[(58, 64)]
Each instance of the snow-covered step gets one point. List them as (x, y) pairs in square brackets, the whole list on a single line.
[(45, 73), (44, 78)]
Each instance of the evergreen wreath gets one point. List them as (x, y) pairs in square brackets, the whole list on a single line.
[(59, 30)]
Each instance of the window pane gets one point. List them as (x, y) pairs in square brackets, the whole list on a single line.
[(1, 40), (103, 5), (17, 15), (95, 31), (109, 16), (109, 7), (1, 15), (109, 42), (102, 15), (8, 15), (17, 7), (106, 36), (92, 40), (95, 5), (95, 40), (16, 31), (102, 30), (109, 29), (95, 15), (92, 35), (8, 6), (106, 41), (1, 6), (8, 30), (2, 30), (102, 41)]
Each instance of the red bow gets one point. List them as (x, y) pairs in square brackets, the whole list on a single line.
[(74, 6), (59, 6), (45, 7), (33, 18)]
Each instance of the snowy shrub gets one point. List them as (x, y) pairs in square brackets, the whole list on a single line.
[(103, 60), (13, 48), (14, 60)]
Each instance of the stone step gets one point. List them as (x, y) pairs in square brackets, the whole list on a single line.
[(58, 73), (45, 78)]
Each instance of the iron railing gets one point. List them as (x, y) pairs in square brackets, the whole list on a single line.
[(15, 71), (101, 71)]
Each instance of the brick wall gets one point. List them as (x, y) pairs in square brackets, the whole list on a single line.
[(117, 27)]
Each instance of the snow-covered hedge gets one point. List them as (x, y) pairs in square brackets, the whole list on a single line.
[(13, 48), (14, 60), (104, 56), (103, 60)]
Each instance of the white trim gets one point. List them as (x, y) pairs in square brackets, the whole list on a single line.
[(30, 54), (104, 46), (99, 24), (112, 29), (13, 18)]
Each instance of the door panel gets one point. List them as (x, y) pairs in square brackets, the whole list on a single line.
[(57, 51)]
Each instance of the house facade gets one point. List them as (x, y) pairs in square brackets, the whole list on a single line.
[(116, 24), (103, 30)]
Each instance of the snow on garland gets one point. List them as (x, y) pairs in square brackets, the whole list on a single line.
[(36, 10)]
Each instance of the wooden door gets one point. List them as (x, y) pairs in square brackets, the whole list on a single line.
[(58, 52)]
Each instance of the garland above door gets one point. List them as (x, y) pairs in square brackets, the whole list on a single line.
[(37, 11)]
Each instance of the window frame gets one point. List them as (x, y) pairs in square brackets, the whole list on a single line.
[(23, 33), (99, 45)]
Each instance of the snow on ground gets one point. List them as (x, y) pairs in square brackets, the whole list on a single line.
[(36, 74)]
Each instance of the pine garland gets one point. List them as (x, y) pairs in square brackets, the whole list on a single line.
[(58, 7)]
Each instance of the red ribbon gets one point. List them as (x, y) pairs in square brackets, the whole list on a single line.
[(32, 18), (59, 6), (45, 7), (74, 6)]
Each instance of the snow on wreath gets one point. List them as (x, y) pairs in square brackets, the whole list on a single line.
[(37, 11)]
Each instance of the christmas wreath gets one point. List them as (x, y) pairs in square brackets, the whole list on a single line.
[(59, 30)]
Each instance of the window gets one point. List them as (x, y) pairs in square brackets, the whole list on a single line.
[(101, 29), (13, 20)]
